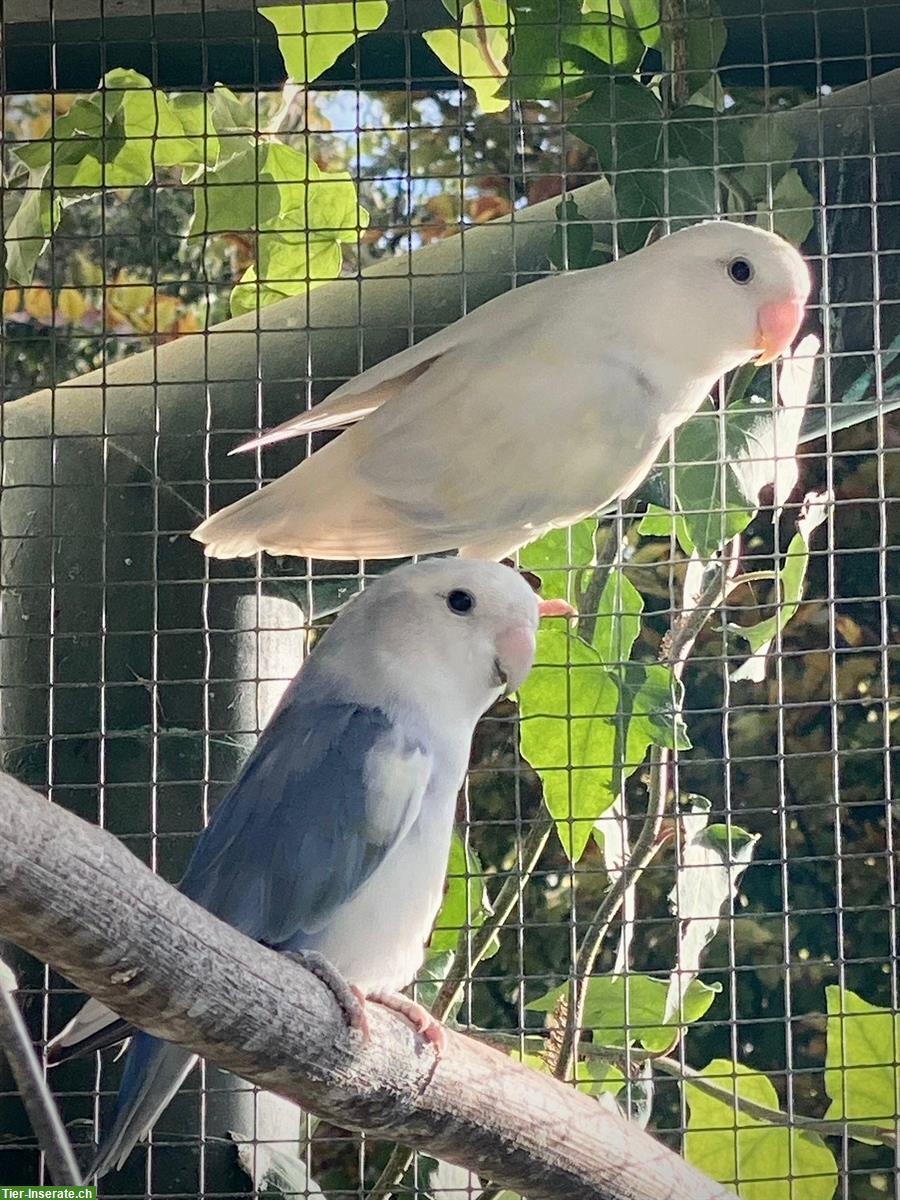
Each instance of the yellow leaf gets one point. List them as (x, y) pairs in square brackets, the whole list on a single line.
[(166, 312), (71, 304), (12, 298), (39, 303)]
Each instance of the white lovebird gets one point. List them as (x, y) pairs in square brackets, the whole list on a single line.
[(539, 408)]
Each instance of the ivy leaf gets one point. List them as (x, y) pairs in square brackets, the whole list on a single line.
[(311, 37), (704, 34), (641, 15), (862, 1060), (568, 706), (29, 230), (768, 151), (622, 120), (703, 138), (477, 49), (793, 208), (431, 975), (466, 905), (651, 702), (230, 198), (622, 1009), (558, 49), (572, 244), (788, 591), (692, 192), (618, 619), (558, 558), (716, 500), (712, 860), (765, 1161), (660, 522), (149, 117)]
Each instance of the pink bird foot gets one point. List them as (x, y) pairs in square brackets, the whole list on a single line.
[(350, 999), (425, 1025)]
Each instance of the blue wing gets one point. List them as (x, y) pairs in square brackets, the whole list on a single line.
[(326, 794)]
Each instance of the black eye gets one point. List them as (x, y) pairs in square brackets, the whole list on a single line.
[(740, 270), (460, 601)]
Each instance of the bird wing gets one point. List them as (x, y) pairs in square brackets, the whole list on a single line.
[(347, 405), (328, 792), (370, 389)]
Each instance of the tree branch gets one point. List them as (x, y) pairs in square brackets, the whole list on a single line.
[(73, 895)]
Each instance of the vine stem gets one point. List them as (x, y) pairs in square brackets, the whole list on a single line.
[(466, 957), (715, 582), (717, 1089)]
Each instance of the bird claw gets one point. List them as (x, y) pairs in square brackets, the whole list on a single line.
[(350, 999), (425, 1025)]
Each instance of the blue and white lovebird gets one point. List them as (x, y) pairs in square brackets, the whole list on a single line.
[(333, 843)]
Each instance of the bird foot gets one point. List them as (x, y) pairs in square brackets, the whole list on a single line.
[(350, 999), (425, 1025)]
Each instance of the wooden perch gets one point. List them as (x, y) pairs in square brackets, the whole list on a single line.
[(73, 895)]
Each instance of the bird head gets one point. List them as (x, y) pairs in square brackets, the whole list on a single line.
[(451, 631), (729, 292)]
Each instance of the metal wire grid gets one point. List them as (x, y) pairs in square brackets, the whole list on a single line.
[(218, 676)]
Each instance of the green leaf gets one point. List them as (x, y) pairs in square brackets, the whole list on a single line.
[(560, 50), (230, 197), (793, 208), (311, 37), (29, 230), (768, 151), (788, 591), (716, 499), (660, 522), (712, 859), (618, 619), (703, 35), (862, 1060), (572, 245), (641, 15), (559, 556), (639, 204), (477, 49), (431, 975), (703, 138), (692, 192), (651, 703), (766, 1162), (568, 705), (150, 116), (628, 110), (622, 1009), (466, 905)]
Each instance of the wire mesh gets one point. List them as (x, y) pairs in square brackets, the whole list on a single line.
[(135, 675)]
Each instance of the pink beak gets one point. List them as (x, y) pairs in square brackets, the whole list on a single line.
[(515, 646), (777, 325), (555, 608)]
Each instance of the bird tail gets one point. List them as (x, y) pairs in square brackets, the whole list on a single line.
[(154, 1071), (94, 1027), (318, 510)]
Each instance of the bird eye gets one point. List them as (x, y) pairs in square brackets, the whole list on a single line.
[(460, 601), (740, 270)]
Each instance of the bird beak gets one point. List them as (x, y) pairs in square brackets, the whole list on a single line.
[(515, 646), (777, 325), (555, 608)]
